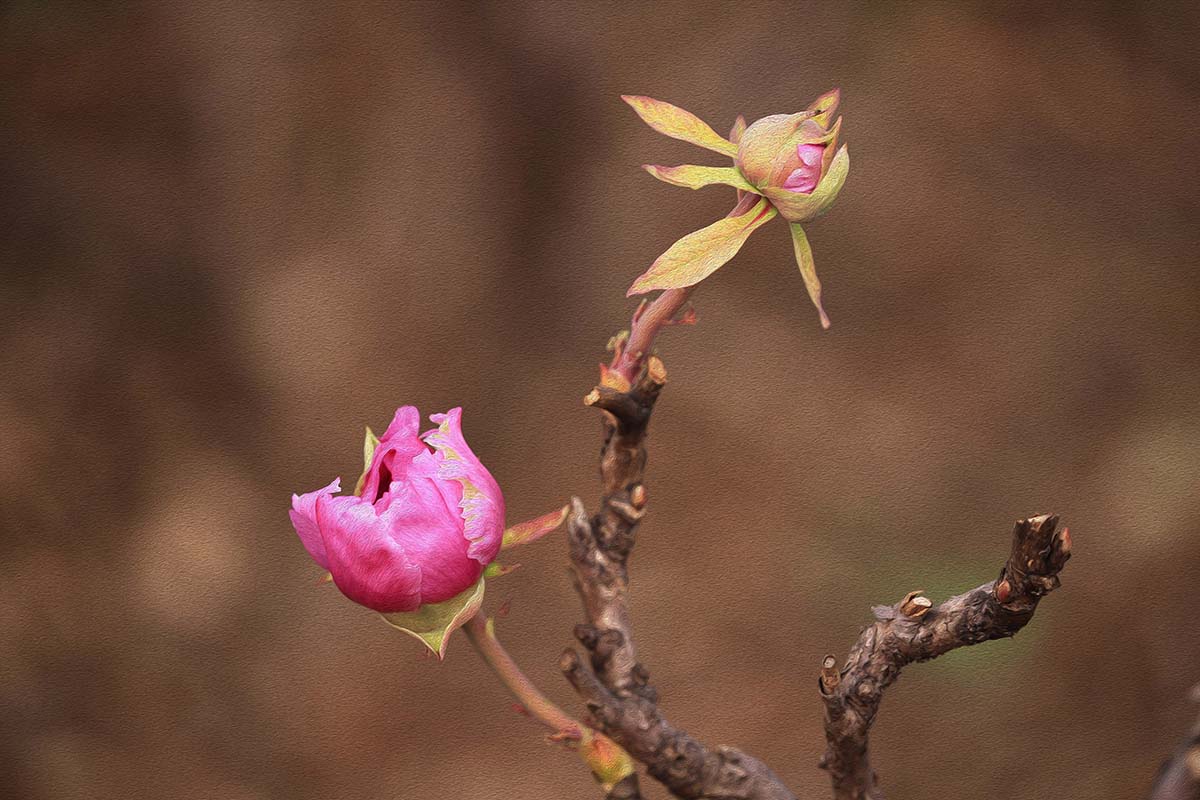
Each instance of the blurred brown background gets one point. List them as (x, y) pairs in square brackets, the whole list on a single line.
[(234, 234)]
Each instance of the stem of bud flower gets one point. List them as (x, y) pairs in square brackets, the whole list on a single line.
[(482, 634), (629, 359), (608, 762)]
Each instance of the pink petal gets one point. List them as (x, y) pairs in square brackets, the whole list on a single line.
[(394, 453), (426, 522), (810, 154), (804, 179), (482, 502), (304, 520), (366, 562)]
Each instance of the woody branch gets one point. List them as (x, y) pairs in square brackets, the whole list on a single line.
[(615, 687), (916, 630)]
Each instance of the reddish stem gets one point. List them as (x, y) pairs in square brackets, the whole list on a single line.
[(645, 327), (480, 632)]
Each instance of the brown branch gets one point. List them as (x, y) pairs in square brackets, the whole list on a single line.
[(916, 630), (1179, 776), (620, 700)]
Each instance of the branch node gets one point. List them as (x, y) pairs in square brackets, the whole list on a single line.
[(656, 371), (627, 511), (637, 496), (915, 605)]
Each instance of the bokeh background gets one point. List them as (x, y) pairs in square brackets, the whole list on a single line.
[(233, 234)]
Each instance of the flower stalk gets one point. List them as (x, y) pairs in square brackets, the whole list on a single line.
[(607, 761)]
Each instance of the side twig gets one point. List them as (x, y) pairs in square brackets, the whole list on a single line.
[(1179, 777), (610, 765), (615, 686), (916, 630)]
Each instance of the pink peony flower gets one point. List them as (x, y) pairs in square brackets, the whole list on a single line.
[(428, 519)]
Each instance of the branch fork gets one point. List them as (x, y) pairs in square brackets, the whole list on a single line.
[(615, 686)]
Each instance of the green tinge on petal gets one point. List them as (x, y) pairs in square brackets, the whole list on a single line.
[(679, 124), (796, 207), (691, 176), (370, 442), (701, 253), (825, 106), (533, 529), (808, 269), (433, 623)]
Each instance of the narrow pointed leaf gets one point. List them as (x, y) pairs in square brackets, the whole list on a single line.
[(533, 529), (370, 442), (808, 269), (679, 124), (825, 106), (739, 127), (433, 623), (691, 176), (701, 253)]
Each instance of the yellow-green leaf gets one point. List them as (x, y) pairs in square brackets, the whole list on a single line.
[(533, 529), (691, 176), (701, 253), (370, 442), (808, 269), (679, 124), (433, 623)]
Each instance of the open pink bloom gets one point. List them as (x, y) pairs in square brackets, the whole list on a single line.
[(428, 520)]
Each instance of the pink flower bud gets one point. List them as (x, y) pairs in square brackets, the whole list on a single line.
[(428, 520), (792, 159)]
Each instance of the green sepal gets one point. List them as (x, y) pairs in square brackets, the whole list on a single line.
[(433, 623), (534, 529), (607, 760), (808, 269), (370, 442), (701, 253), (691, 176), (673, 121), (498, 570)]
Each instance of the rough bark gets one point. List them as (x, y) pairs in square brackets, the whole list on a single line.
[(615, 686), (916, 630), (1179, 777)]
